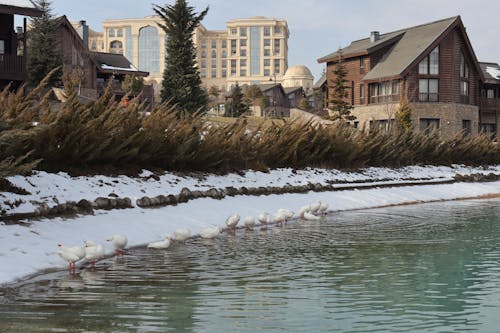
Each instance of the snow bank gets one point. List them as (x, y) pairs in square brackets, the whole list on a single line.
[(25, 250)]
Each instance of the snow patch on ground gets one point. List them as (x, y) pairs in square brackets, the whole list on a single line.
[(27, 249)]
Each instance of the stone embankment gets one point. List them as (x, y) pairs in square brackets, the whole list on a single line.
[(84, 206)]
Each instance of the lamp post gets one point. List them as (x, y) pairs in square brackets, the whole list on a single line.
[(274, 93)]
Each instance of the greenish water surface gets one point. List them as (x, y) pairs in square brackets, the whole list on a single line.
[(422, 268)]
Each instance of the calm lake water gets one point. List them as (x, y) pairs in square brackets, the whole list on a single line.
[(422, 268)]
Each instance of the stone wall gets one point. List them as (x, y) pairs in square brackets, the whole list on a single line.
[(450, 115)]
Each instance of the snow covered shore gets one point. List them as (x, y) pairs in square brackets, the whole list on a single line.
[(32, 246)]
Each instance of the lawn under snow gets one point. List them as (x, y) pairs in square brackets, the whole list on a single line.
[(26, 249)]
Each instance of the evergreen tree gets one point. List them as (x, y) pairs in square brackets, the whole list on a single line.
[(133, 84), (338, 102), (181, 79), (236, 105), (44, 53), (403, 114)]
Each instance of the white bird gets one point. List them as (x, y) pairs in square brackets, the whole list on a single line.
[(232, 221), (71, 255), (181, 235), (315, 207), (303, 210), (279, 217), (287, 213), (210, 232), (119, 242), (264, 218), (93, 252), (249, 222), (163, 244), (311, 217), (323, 208)]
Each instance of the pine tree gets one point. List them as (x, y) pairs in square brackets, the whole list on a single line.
[(338, 102), (44, 53), (403, 114), (236, 105), (181, 79)]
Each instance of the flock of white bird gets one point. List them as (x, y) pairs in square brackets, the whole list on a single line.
[(93, 252)]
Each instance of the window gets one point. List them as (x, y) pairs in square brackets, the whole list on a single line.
[(203, 73), (428, 125), (361, 93), (277, 45), (267, 52), (267, 42), (224, 44), (361, 62), (243, 53), (464, 69), (213, 54), (203, 54), (233, 43), (243, 72), (224, 73), (243, 63), (243, 32), (213, 73), (234, 31), (467, 126), (111, 32), (490, 93), (203, 63), (489, 129), (233, 64), (224, 54), (243, 42), (2, 46), (428, 90), (92, 47), (223, 64), (383, 92), (277, 30), (214, 43), (464, 88), (267, 31), (116, 47), (203, 43), (276, 66), (267, 72), (267, 62), (214, 63), (119, 33), (430, 64)]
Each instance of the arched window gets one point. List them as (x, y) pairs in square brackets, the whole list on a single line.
[(224, 54), (149, 50), (214, 54), (203, 54), (111, 32), (116, 47)]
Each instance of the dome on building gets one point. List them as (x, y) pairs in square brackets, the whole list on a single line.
[(298, 76)]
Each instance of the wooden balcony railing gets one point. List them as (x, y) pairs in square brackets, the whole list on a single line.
[(490, 103), (12, 67)]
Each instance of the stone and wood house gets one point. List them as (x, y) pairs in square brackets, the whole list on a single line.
[(13, 48), (433, 65)]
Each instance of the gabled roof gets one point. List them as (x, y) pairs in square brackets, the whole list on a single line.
[(115, 64), (290, 90), (406, 47), (321, 81), (491, 72), (19, 7)]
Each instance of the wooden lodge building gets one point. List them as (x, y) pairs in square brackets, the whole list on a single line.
[(13, 48), (434, 66)]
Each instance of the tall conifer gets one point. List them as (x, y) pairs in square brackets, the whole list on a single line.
[(44, 53), (339, 94), (181, 79)]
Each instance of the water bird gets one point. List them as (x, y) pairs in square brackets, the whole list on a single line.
[(311, 217), (323, 208), (210, 232), (163, 244), (232, 221), (93, 252), (181, 235), (288, 214), (303, 210), (249, 222), (264, 218), (119, 242), (71, 255), (279, 217), (315, 207)]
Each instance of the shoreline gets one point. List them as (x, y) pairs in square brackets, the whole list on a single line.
[(29, 249)]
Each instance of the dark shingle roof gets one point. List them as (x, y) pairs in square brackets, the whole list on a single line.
[(407, 45), (115, 63)]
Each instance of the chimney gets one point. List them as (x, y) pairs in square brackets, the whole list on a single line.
[(374, 36), (83, 31)]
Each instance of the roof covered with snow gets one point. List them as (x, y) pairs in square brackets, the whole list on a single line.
[(115, 63), (19, 7), (491, 72)]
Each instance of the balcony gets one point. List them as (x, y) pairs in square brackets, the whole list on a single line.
[(489, 104), (12, 67)]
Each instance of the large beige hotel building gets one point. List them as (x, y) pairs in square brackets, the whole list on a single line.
[(251, 50)]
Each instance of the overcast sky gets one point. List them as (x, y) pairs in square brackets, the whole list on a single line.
[(317, 27)]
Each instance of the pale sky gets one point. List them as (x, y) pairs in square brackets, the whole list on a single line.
[(317, 27)]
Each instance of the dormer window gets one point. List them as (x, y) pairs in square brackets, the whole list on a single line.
[(430, 64)]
